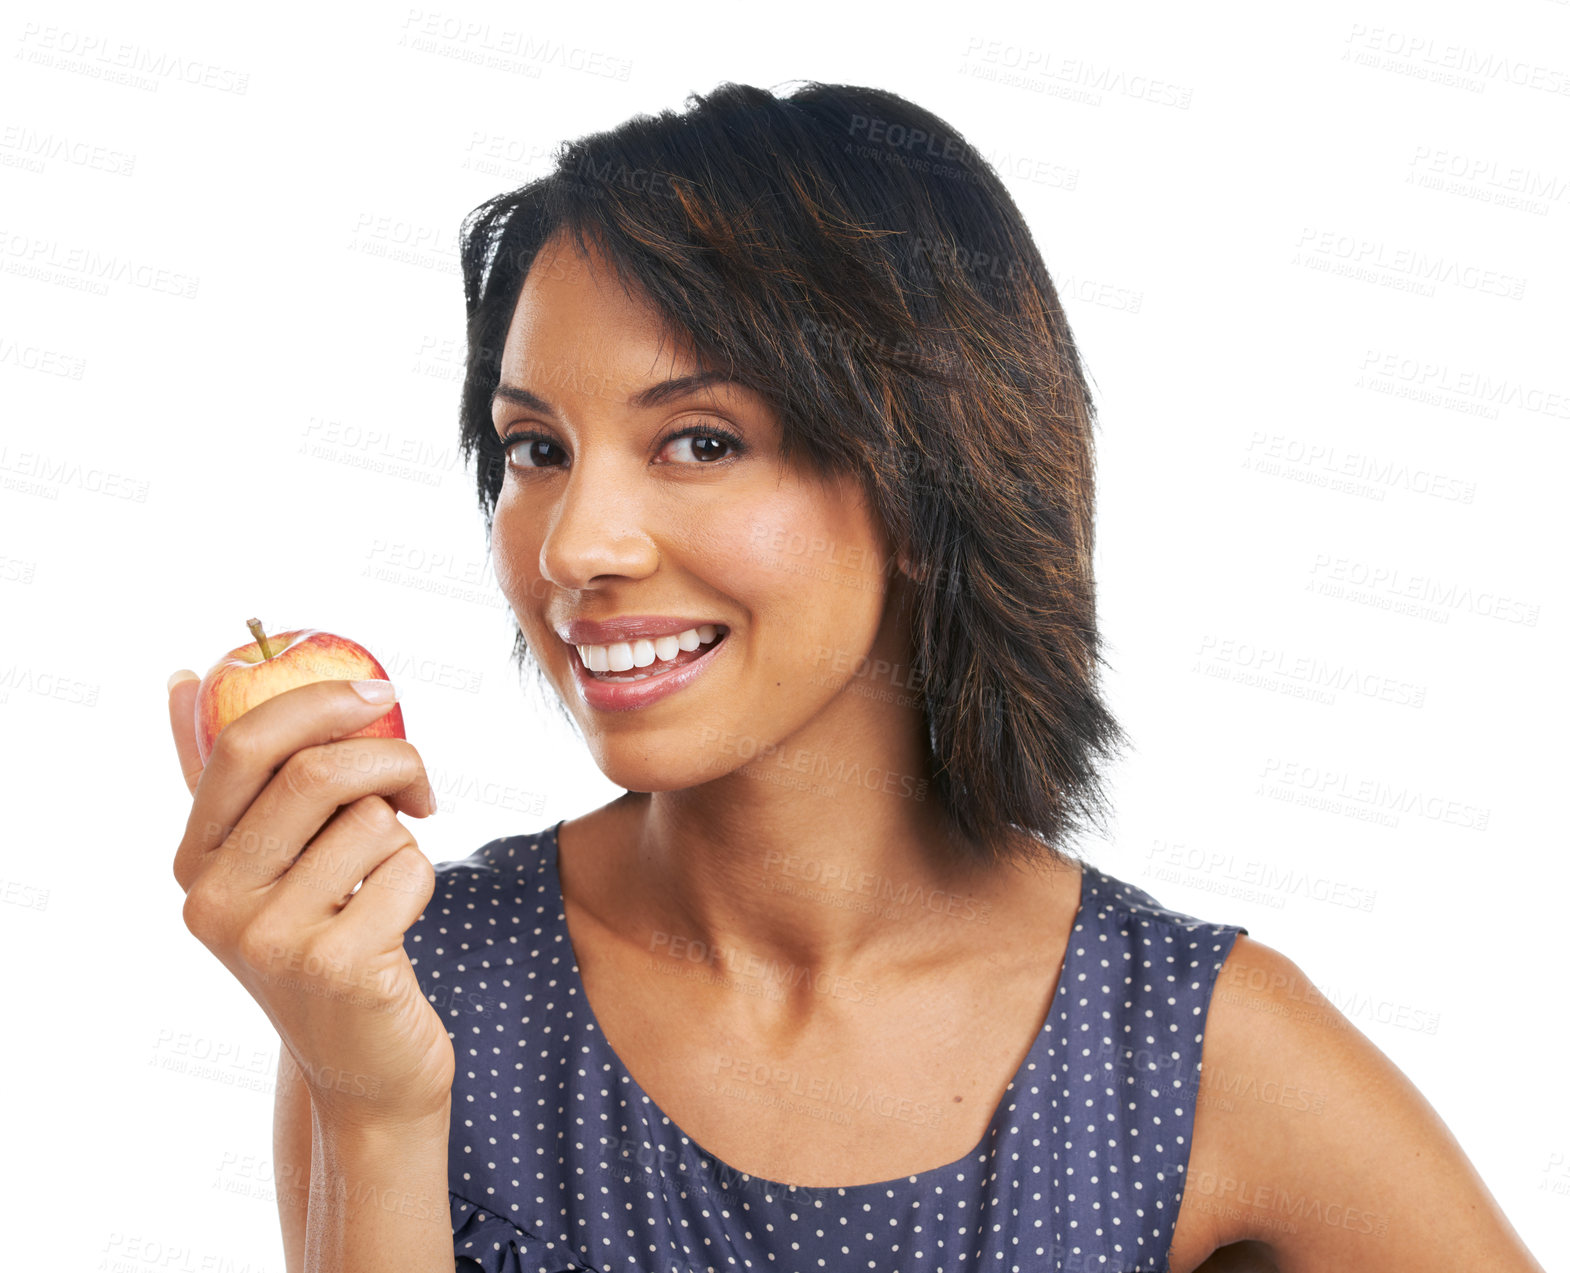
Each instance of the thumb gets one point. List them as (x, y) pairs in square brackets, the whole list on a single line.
[(182, 721)]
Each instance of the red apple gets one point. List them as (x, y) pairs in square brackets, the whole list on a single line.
[(270, 665)]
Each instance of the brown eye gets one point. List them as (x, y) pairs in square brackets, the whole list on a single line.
[(710, 444), (535, 451)]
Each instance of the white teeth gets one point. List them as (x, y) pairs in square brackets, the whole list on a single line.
[(623, 656)]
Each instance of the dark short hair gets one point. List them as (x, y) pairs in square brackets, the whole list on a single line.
[(849, 257)]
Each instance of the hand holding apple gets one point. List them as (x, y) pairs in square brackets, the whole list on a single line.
[(269, 665), (301, 879)]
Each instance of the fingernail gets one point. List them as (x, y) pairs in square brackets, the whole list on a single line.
[(184, 674), (375, 691)]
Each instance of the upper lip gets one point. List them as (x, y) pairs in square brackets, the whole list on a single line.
[(630, 627)]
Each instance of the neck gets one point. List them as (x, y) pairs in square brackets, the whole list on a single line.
[(743, 873)]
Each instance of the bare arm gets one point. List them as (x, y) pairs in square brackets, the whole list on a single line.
[(292, 1158), (1366, 1178), (358, 1199), (379, 1200)]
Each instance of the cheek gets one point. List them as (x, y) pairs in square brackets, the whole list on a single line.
[(515, 556), (808, 569)]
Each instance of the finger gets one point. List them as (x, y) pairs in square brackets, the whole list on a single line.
[(253, 747), (363, 841), (355, 841), (393, 896), (182, 723), (308, 789)]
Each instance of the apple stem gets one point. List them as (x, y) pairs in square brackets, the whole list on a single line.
[(261, 637)]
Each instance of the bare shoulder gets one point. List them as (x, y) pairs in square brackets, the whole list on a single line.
[(1309, 1140)]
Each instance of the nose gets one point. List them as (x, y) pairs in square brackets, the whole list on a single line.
[(597, 530)]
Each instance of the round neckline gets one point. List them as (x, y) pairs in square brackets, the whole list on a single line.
[(724, 1170)]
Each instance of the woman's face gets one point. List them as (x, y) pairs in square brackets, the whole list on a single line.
[(612, 507)]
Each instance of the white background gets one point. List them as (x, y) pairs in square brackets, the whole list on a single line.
[(174, 464)]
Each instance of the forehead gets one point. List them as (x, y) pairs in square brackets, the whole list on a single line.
[(574, 311)]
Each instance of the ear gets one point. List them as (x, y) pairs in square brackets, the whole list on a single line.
[(906, 569)]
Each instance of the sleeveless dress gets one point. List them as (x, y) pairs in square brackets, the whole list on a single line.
[(559, 1161)]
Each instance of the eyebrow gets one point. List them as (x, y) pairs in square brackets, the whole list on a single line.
[(652, 396)]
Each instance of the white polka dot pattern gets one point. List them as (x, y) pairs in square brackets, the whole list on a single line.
[(558, 1160)]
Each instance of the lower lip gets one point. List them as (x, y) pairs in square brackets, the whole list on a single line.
[(611, 696)]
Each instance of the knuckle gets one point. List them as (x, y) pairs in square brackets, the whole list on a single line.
[(328, 960), (201, 912), (383, 758), (410, 755), (415, 869), (259, 945), (335, 953), (423, 877), (308, 771), (405, 871), (393, 758), (236, 746), (375, 817)]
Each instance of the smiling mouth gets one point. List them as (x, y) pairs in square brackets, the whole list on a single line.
[(623, 662)]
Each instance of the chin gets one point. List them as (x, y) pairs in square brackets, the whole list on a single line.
[(649, 774)]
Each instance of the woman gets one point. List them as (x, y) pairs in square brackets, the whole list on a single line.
[(775, 399)]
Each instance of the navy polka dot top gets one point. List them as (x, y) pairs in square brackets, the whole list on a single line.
[(558, 1160)]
